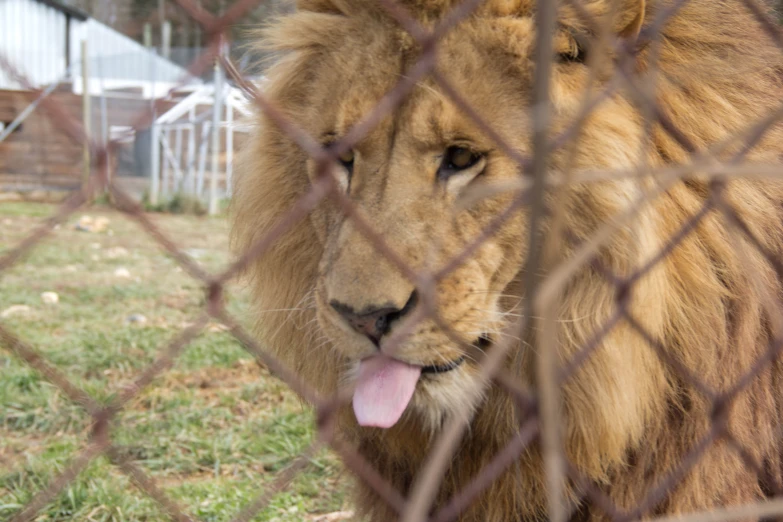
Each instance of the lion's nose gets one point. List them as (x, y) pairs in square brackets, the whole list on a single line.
[(375, 321)]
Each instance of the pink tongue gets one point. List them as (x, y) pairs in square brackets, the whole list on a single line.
[(383, 390)]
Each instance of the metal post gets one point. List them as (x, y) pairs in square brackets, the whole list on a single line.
[(86, 114), (229, 144), (161, 15), (104, 116), (172, 160), (148, 35), (166, 39), (105, 123), (155, 163), (202, 157), (184, 43), (197, 38), (165, 178), (190, 176), (216, 115), (178, 155)]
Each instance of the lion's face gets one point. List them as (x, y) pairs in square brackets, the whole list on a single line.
[(329, 304), (407, 178)]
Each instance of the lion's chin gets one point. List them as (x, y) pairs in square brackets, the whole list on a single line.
[(442, 396)]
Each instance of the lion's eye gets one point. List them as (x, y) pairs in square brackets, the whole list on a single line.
[(346, 158), (457, 159), (575, 53)]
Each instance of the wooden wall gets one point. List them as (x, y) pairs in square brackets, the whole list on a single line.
[(40, 155)]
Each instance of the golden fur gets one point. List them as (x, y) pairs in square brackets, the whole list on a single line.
[(711, 303)]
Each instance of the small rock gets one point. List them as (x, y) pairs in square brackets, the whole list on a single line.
[(136, 319), (100, 224), (84, 224), (71, 268), (7, 222), (15, 310), (122, 272), (90, 224), (195, 253), (95, 257), (95, 246), (217, 327), (116, 252), (50, 298)]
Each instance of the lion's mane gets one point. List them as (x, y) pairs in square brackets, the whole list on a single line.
[(709, 302)]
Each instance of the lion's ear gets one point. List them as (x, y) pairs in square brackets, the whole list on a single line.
[(629, 17), (624, 17), (323, 6)]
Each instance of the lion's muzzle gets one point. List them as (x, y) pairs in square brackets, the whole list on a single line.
[(374, 321)]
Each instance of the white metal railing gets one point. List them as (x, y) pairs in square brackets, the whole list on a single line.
[(181, 145)]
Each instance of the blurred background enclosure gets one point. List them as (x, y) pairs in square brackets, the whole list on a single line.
[(130, 17), (138, 52), (138, 56)]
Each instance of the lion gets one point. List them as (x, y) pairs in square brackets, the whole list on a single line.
[(327, 300)]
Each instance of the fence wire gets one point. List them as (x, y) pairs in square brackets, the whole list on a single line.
[(539, 410)]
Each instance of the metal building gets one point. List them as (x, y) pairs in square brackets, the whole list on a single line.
[(42, 40)]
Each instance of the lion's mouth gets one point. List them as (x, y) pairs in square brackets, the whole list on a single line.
[(482, 343), (443, 368), (385, 385)]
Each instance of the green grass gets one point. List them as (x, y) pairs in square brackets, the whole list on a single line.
[(16, 208), (214, 431)]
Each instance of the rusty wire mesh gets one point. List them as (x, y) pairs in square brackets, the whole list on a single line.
[(542, 417)]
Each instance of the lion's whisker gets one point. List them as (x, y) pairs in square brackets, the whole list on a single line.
[(286, 310)]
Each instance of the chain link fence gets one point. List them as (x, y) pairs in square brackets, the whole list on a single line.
[(726, 405)]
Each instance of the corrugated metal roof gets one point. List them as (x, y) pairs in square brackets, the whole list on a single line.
[(33, 39), (42, 39), (115, 56), (65, 8)]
